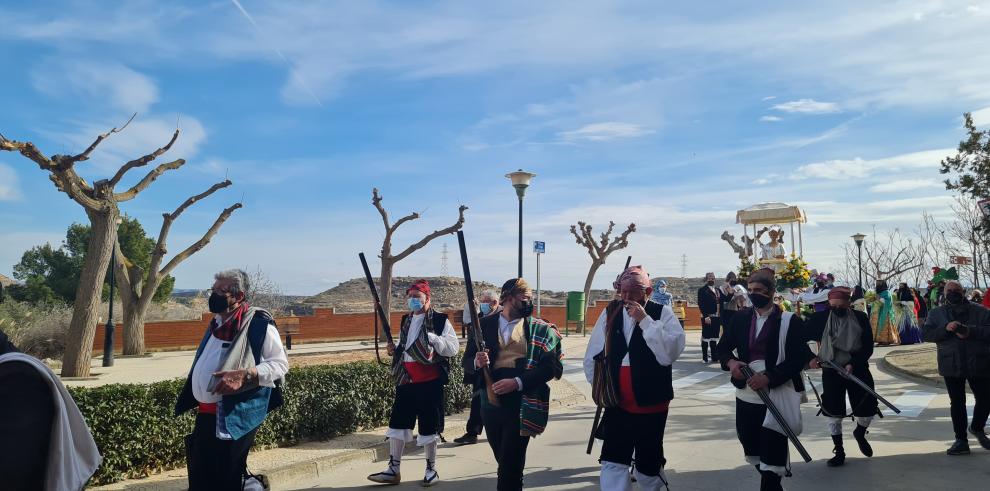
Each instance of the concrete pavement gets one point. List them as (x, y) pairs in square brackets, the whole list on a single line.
[(701, 446)]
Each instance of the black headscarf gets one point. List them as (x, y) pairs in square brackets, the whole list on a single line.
[(857, 293)]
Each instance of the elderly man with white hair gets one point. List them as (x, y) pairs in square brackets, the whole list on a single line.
[(234, 383), (961, 330), (488, 305)]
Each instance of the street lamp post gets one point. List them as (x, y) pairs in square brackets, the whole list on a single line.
[(108, 329), (859, 238), (520, 180)]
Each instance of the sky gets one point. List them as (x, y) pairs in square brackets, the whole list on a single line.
[(669, 116)]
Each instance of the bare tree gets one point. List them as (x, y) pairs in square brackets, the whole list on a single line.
[(266, 293), (100, 202), (968, 230), (136, 291), (888, 256), (389, 259), (599, 251)]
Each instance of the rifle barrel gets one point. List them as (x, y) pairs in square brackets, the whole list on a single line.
[(858, 381), (479, 338), (386, 327)]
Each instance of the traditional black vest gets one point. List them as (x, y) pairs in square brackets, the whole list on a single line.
[(439, 326), (652, 382)]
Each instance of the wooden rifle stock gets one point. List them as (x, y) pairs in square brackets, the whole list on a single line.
[(598, 412), (479, 339), (382, 315)]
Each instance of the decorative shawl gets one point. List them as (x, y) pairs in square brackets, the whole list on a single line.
[(841, 338), (884, 319), (420, 351), (534, 412)]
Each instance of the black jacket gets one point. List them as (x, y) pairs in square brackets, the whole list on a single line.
[(815, 328), (957, 357), (708, 302), (735, 338), (548, 369)]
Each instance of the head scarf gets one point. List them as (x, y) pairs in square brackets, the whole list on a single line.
[(660, 284), (421, 286), (840, 292), (857, 293), (765, 277), (633, 274)]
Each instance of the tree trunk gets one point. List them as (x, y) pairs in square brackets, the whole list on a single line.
[(587, 287), (385, 291), (82, 329), (134, 316)]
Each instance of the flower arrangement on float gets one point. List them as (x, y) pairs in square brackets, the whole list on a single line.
[(795, 275)]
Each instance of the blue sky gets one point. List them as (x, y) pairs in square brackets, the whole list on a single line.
[(673, 117)]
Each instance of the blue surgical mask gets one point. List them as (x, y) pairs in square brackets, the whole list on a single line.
[(415, 304), (485, 308)]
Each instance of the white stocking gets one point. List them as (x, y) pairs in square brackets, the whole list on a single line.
[(615, 477), (431, 453), (651, 483), (835, 426), (395, 448), (864, 421)]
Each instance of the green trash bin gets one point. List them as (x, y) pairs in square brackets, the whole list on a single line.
[(575, 311)]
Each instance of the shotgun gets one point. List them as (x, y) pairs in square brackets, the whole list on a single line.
[(772, 408), (856, 380), (378, 308), (479, 338)]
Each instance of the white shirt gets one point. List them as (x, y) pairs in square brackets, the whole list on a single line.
[(664, 337), (466, 317), (274, 364), (810, 297), (445, 346)]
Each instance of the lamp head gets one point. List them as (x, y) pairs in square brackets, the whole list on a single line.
[(859, 238), (520, 180)]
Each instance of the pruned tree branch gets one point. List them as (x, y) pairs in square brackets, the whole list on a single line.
[(202, 242), (437, 233), (99, 139), (28, 150), (168, 218), (148, 179), (141, 162), (376, 200)]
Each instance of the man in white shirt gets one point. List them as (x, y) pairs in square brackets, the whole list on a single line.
[(643, 340), (232, 383), (420, 365)]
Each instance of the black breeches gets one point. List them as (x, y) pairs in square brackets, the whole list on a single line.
[(835, 388), (215, 464), (423, 401), (768, 445), (624, 433), (508, 446)]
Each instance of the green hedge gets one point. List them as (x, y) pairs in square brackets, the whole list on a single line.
[(137, 434)]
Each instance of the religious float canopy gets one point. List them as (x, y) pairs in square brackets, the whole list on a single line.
[(757, 253)]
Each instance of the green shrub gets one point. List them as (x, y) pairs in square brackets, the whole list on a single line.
[(137, 434)]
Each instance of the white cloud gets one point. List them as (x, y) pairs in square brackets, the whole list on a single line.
[(906, 185), (9, 186), (771, 119), (761, 181), (981, 117), (103, 84), (858, 168), (610, 130), (807, 106), (769, 98)]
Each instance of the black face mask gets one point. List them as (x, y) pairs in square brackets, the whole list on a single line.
[(524, 309), (954, 298), (711, 283), (218, 303), (733, 283), (759, 300), (839, 312)]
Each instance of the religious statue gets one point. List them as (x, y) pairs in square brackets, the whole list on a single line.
[(772, 254)]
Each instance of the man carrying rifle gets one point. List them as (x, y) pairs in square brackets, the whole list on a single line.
[(644, 339), (488, 305), (772, 344), (420, 364), (524, 353), (846, 340), (961, 330)]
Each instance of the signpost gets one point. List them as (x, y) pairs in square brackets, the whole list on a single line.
[(960, 260), (539, 248)]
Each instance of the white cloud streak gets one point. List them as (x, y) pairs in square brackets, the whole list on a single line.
[(807, 106), (858, 168), (905, 185), (101, 83), (601, 132)]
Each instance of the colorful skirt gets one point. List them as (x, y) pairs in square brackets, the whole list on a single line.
[(884, 333), (907, 323)]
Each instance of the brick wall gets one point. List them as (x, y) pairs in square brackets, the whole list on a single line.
[(323, 325)]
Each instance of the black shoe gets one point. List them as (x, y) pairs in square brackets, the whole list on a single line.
[(467, 439), (864, 446), (981, 436), (960, 447), (840, 453)]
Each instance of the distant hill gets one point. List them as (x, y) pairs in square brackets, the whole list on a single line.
[(448, 292)]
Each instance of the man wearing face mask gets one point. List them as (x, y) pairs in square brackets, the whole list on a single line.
[(845, 337), (234, 382), (772, 344), (710, 299), (961, 330), (420, 364), (488, 305), (644, 340), (524, 353)]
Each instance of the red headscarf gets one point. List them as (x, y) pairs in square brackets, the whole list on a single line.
[(421, 286), (635, 275)]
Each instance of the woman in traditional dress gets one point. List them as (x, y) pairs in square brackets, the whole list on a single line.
[(882, 317), (907, 316)]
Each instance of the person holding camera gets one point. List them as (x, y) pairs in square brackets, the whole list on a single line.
[(962, 331)]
